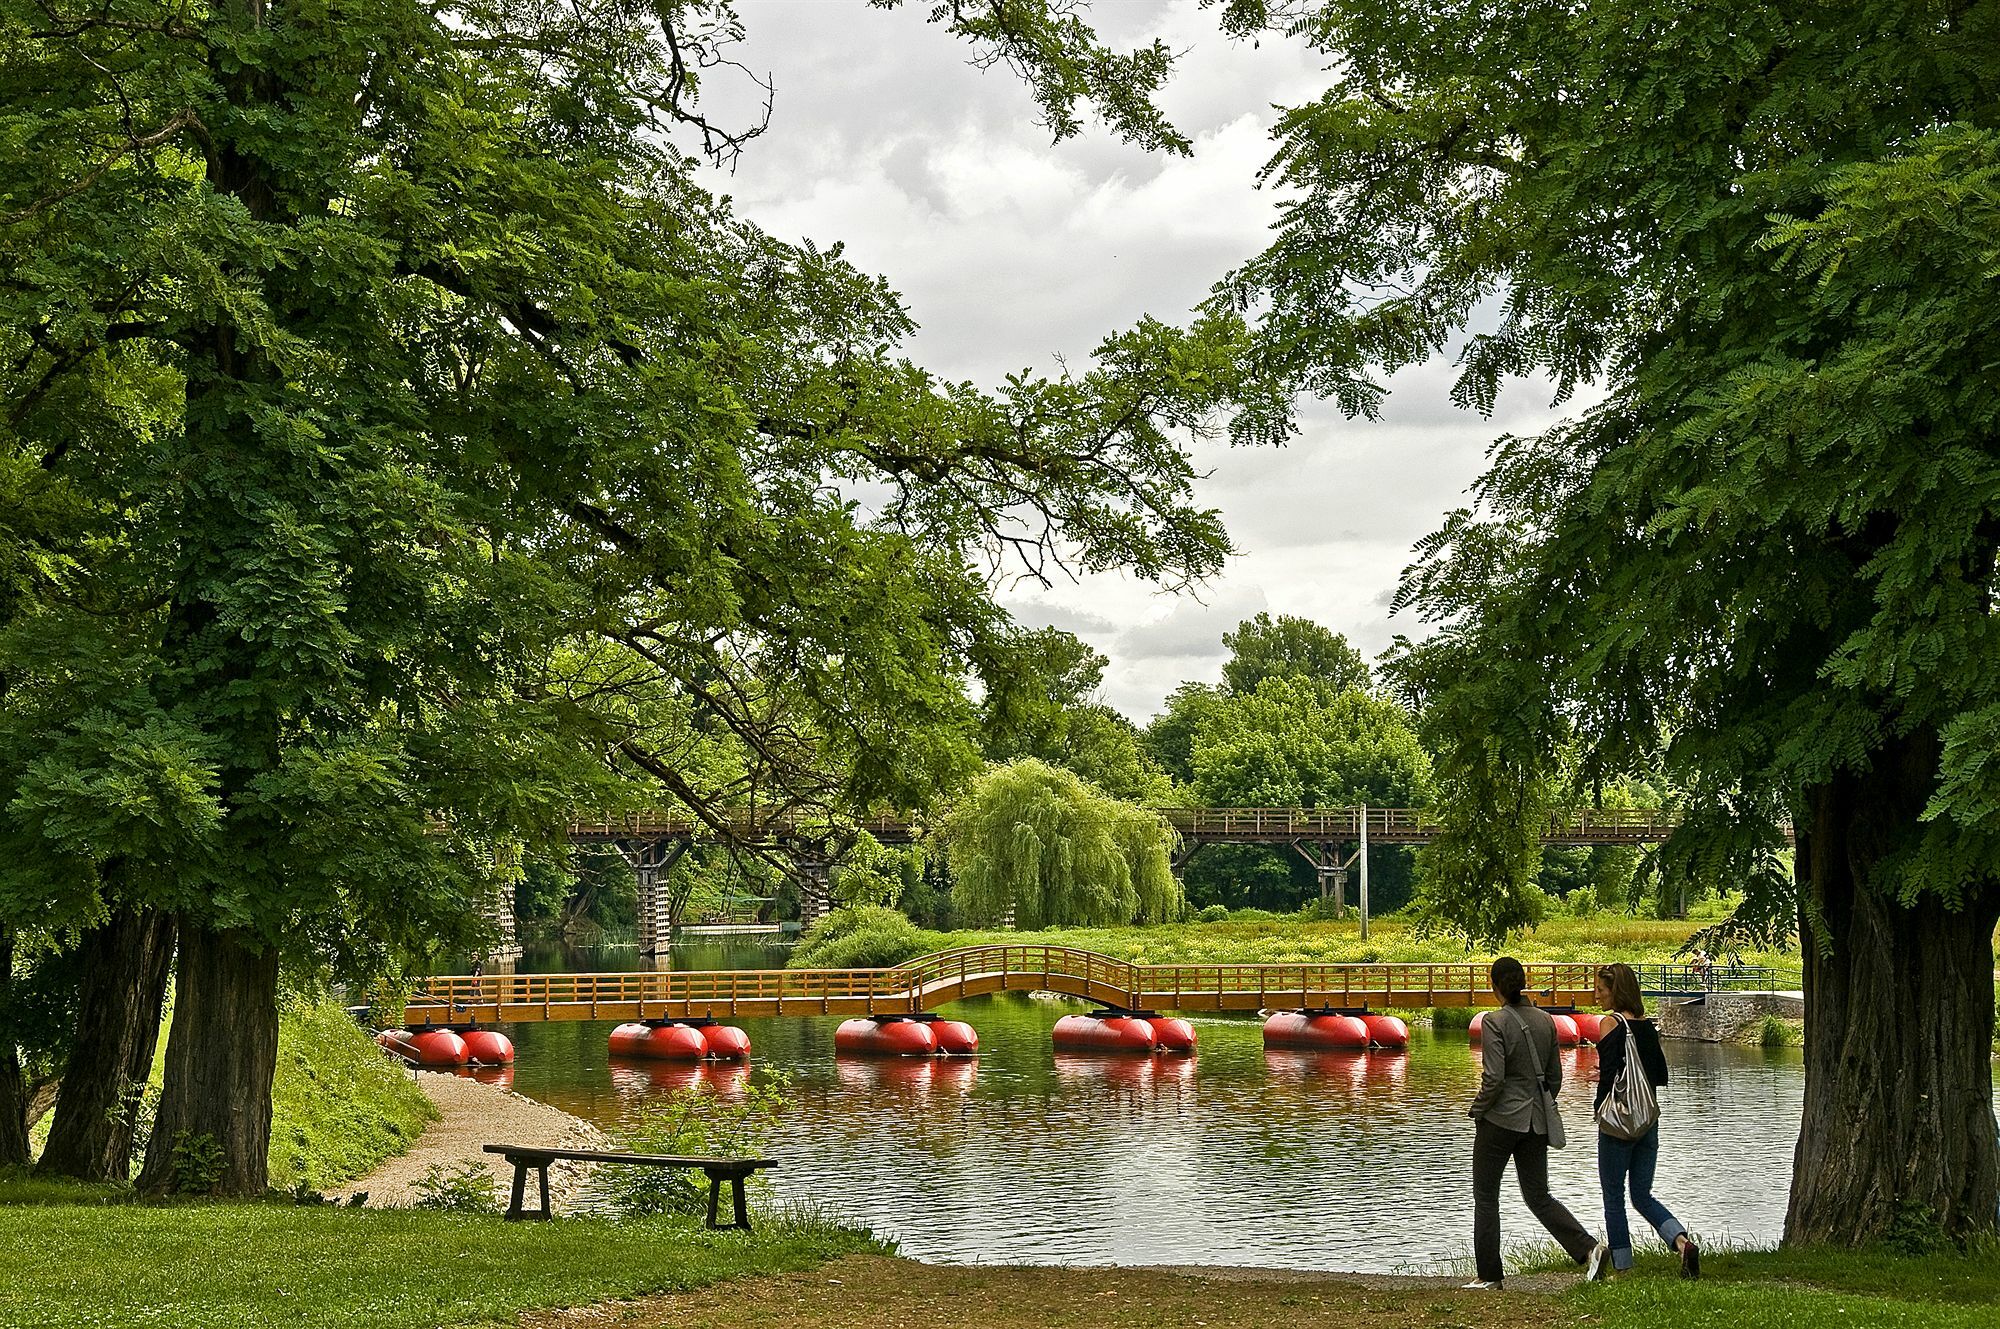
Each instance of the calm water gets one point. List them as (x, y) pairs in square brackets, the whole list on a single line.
[(1234, 1156)]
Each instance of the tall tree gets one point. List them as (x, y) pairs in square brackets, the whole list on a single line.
[(1290, 647), (1765, 559), (393, 351), (1036, 842), (1049, 708)]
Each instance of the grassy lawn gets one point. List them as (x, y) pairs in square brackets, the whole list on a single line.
[(220, 1266), (338, 1106), (1803, 1290)]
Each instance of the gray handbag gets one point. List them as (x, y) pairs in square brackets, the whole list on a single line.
[(1631, 1109), (1557, 1136)]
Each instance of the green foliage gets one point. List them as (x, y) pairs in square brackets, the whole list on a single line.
[(1039, 842), (871, 874), (1290, 647), (698, 1122), (1048, 708), (1777, 1033), (1214, 913), (403, 450), (1170, 738), (338, 1106), (868, 937), (1291, 742), (458, 1188), (196, 1163)]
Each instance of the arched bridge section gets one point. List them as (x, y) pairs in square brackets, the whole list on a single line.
[(930, 981)]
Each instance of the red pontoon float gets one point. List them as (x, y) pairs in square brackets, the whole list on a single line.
[(1104, 1032)]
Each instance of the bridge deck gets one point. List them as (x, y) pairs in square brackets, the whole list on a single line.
[(933, 980), (1580, 826)]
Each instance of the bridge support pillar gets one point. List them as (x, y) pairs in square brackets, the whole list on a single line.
[(1331, 869), (653, 862)]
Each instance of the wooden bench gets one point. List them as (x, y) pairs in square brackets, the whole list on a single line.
[(732, 1170)]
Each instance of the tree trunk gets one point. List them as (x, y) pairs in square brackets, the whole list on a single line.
[(1898, 1135), (125, 964), (13, 1087), (213, 1132)]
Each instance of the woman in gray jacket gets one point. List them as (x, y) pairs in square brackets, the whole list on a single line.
[(1513, 1124)]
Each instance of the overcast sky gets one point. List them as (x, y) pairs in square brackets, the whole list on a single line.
[(1010, 250)]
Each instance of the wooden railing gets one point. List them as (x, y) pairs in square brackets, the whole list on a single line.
[(1585, 826), (932, 980)]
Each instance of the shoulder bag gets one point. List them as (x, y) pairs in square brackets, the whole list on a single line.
[(1631, 1109), (1557, 1136)]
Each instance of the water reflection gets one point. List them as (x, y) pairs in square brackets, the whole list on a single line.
[(1235, 1155), (640, 1081)]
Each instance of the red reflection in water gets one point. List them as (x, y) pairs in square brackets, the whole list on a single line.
[(1361, 1073), (501, 1076), (910, 1077), (643, 1077), (1140, 1072)]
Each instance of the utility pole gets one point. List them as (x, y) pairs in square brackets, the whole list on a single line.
[(1363, 856)]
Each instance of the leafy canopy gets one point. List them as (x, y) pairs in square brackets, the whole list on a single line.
[(1036, 840)]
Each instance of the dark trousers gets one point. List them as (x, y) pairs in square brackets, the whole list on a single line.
[(1491, 1148)]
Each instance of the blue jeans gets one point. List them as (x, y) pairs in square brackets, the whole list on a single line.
[(1616, 1161)]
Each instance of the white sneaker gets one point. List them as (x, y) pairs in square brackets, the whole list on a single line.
[(1481, 1285), (1593, 1271)]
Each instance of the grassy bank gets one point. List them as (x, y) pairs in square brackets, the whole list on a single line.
[(338, 1106), (73, 1260), (1290, 939)]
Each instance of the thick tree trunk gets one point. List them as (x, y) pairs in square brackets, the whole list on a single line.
[(125, 964), (13, 1087), (213, 1132), (1899, 1129)]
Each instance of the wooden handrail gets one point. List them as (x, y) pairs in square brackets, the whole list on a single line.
[(934, 979)]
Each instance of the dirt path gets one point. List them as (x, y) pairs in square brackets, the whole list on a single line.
[(472, 1115), (885, 1293)]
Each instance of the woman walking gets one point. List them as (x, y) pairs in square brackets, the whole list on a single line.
[(1620, 1161), (1515, 1109)]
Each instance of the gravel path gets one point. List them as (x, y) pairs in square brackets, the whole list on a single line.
[(472, 1115)]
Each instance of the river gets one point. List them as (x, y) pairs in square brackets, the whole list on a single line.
[(1235, 1156)]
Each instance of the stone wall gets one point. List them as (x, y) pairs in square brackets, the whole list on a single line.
[(1728, 1017)]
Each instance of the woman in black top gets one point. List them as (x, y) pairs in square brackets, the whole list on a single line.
[(1620, 1161)]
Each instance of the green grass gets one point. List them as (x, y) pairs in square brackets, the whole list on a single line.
[(1793, 1289), (220, 1266), (1288, 939), (338, 1106)]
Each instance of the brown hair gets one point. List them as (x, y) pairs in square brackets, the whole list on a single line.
[(1624, 986), (1509, 979)]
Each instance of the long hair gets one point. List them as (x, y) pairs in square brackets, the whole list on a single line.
[(1509, 979), (1624, 985)]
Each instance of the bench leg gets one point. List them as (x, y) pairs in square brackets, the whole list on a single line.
[(714, 1197), (543, 1173), (520, 1184), (742, 1212)]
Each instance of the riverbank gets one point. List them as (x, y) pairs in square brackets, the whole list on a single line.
[(1253, 937), (1756, 1290), (471, 1115)]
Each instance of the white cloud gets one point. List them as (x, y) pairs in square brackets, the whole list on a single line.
[(1011, 251)]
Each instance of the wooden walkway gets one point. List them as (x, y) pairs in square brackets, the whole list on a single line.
[(1578, 826), (929, 982)]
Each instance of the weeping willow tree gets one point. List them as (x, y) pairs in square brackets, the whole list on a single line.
[(1052, 848)]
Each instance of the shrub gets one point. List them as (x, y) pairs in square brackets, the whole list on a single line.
[(1215, 913), (465, 1188), (1253, 916), (871, 937), (1776, 1033), (692, 1121)]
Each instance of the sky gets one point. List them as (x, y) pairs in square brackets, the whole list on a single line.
[(1011, 251)]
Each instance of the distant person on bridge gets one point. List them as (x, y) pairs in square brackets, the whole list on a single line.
[(1516, 1112), (1621, 1160)]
